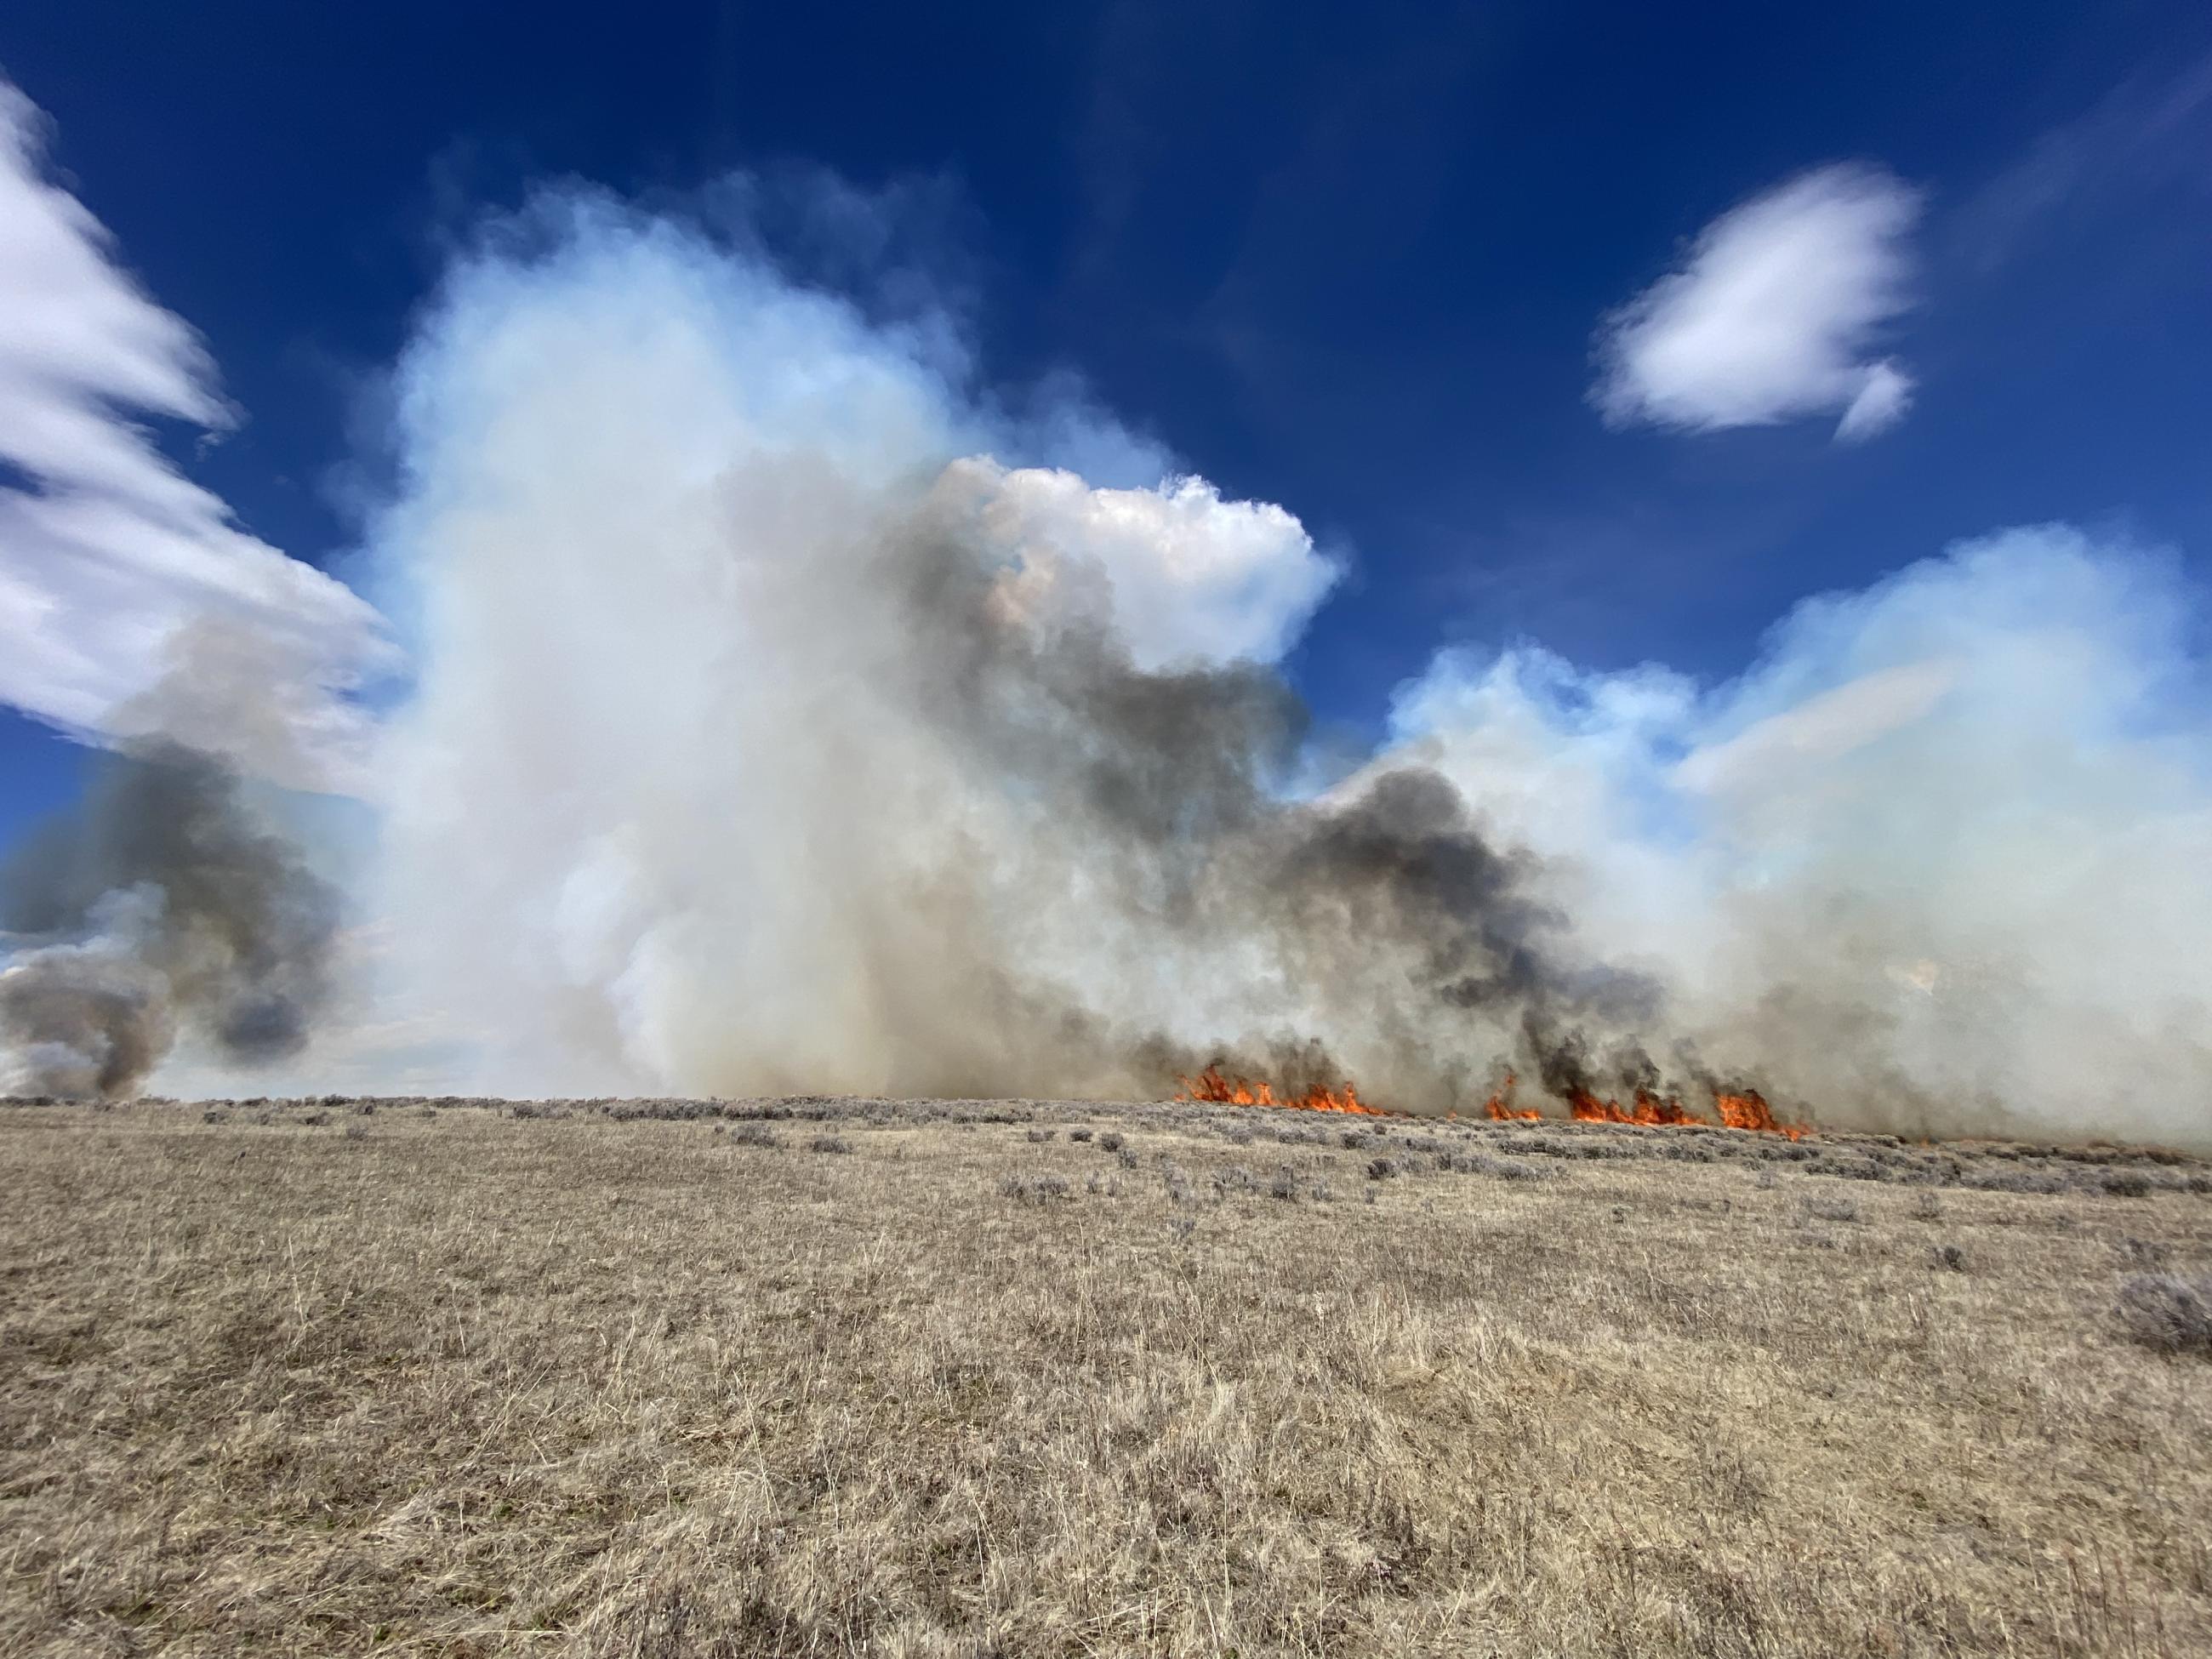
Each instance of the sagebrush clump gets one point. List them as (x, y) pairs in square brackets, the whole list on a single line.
[(1034, 1189), (2169, 1312)]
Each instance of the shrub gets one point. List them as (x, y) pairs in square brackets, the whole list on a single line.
[(2144, 1253), (1284, 1186), (1381, 1168), (1111, 1140), (1235, 1178), (1948, 1256), (1767, 1181), (1038, 1137), (1127, 1155), (1926, 1206), (1322, 1193), (1239, 1136), (2013, 1181), (1034, 1189), (2168, 1313), (1832, 1209), (753, 1134), (1501, 1169), (829, 1144), (1355, 1140), (1078, 1134), (2126, 1183)]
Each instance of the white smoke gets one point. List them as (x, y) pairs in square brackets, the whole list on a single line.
[(1185, 577), (786, 715), (670, 808), (662, 812), (1934, 859)]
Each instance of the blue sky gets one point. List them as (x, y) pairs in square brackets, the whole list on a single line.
[(1352, 263)]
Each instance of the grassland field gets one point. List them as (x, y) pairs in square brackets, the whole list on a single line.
[(1009, 1378)]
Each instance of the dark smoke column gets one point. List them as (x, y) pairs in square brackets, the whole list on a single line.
[(163, 904)]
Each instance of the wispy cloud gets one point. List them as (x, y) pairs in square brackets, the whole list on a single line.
[(118, 574), (2150, 138), (1778, 312)]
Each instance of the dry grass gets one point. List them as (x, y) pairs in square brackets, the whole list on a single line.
[(627, 1382)]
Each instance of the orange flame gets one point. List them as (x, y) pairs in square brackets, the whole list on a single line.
[(1749, 1111), (1745, 1110), (1652, 1108), (1499, 1107), (1586, 1108), (1211, 1085)]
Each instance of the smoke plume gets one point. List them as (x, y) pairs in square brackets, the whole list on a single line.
[(786, 719), (163, 903), (788, 716)]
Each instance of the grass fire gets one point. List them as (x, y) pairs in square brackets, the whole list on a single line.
[(1744, 1109), (1211, 1085), (791, 994)]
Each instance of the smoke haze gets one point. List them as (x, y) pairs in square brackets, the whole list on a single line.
[(781, 724), (785, 716)]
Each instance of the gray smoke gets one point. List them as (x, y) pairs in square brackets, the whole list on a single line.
[(850, 775), (787, 714), (771, 732), (1379, 909), (164, 904)]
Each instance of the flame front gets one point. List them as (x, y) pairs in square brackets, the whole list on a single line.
[(1211, 1085), (1744, 1109), (1749, 1111), (1499, 1107)]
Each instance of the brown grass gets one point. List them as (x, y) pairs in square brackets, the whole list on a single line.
[(477, 1382)]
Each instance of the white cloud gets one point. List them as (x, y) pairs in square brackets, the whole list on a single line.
[(1775, 314), (118, 574), (1883, 397)]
